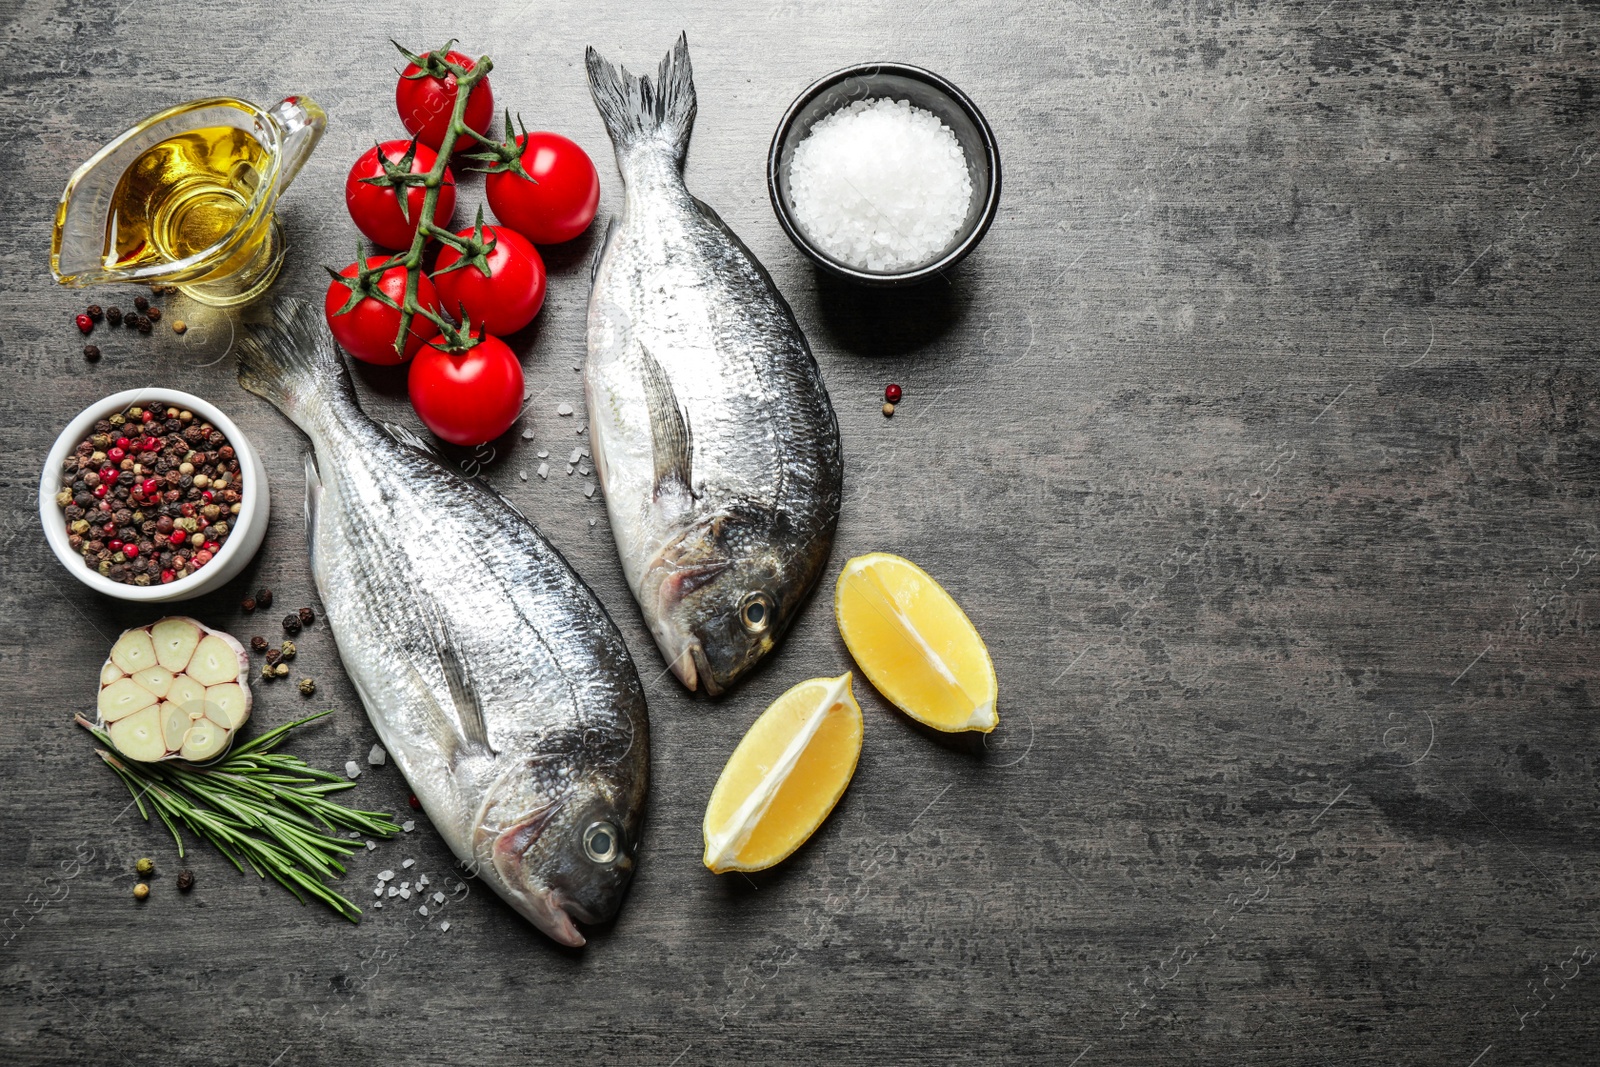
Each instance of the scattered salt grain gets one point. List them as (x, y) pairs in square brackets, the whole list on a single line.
[(405, 885), (444, 926), (407, 863), (408, 825), (544, 453), (523, 475), (351, 770), (527, 435), (379, 904), (563, 408), (352, 833), (422, 880), (378, 892), (371, 846), (394, 890), (423, 911), (881, 185), (384, 876), (405, 894), (570, 469), (544, 470), (588, 489), (591, 522), (377, 757), (438, 898), (577, 454)]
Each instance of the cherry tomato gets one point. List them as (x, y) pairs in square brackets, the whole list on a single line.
[(508, 297), (561, 205), (426, 100), (376, 209), (368, 330), (470, 398)]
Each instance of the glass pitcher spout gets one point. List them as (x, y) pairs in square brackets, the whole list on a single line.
[(187, 198)]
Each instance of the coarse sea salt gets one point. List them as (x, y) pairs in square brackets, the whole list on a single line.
[(880, 185)]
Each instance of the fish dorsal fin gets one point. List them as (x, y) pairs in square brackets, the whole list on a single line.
[(461, 727), (671, 440), (406, 436), (605, 243)]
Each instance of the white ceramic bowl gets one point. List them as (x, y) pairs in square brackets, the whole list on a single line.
[(247, 530)]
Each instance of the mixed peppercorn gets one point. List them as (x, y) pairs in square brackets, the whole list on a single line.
[(150, 495), (141, 319)]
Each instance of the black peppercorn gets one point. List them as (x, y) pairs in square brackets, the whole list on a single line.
[(273, 655), (185, 881), (144, 324), (94, 312), (154, 314), (140, 302), (258, 643), (264, 597), (291, 624), (307, 616), (114, 315), (91, 353), (249, 605)]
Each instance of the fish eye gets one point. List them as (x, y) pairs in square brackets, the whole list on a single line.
[(756, 612), (602, 842)]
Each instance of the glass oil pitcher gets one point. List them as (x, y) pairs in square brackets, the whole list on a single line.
[(186, 198)]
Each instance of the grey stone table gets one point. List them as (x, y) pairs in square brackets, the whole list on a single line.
[(1259, 439)]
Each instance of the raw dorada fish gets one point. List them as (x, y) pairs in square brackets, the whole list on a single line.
[(491, 672), (713, 435)]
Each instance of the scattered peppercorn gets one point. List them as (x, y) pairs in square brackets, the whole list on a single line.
[(291, 624), (91, 353), (123, 483), (274, 655), (85, 323), (140, 302), (416, 804), (179, 326), (154, 314), (141, 891), (143, 324), (114, 315), (307, 687), (258, 643), (888, 410), (185, 881), (266, 672), (891, 393), (281, 670), (145, 865), (248, 604), (263, 595), (307, 616), (287, 650), (94, 312)]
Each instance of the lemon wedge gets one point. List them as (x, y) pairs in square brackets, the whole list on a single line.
[(788, 772), (915, 644)]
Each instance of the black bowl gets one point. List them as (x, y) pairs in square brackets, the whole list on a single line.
[(923, 89)]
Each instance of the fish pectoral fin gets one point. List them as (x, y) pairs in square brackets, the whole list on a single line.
[(605, 243), (671, 440), (313, 502), (461, 727)]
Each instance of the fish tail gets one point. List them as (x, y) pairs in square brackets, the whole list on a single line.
[(291, 361), (638, 114)]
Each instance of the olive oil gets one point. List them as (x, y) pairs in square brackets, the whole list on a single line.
[(184, 195)]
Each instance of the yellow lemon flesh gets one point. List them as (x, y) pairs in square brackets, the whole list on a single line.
[(914, 643), (785, 777)]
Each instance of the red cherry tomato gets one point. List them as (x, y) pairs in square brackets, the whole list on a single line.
[(470, 398), (561, 205), (425, 101), (368, 330), (376, 209), (508, 297)]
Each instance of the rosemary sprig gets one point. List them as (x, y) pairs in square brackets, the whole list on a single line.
[(268, 808)]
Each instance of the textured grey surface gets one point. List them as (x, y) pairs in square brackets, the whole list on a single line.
[(1258, 439)]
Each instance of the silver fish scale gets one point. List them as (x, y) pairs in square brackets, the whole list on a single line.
[(402, 547)]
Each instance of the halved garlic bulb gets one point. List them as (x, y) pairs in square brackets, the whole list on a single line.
[(175, 688)]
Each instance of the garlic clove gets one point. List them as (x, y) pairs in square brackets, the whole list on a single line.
[(175, 639), (188, 694), (122, 698), (139, 735), (134, 651), (174, 725), (228, 703), (205, 740), (215, 661), (109, 673), (156, 679)]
